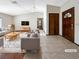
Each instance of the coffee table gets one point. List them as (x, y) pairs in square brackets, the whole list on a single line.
[(12, 35)]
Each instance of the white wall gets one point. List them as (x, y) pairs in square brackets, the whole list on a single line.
[(68, 5), (31, 17), (45, 20), (6, 20), (53, 9)]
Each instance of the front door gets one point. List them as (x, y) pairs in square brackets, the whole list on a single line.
[(68, 24)]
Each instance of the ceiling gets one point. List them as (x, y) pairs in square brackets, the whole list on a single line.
[(26, 6)]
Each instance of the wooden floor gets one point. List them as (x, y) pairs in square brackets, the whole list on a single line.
[(11, 56)]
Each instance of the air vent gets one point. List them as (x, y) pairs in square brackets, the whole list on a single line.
[(14, 2)]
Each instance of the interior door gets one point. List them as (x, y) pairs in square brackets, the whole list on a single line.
[(56, 24), (68, 24), (53, 23)]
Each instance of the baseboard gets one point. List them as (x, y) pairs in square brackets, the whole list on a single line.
[(70, 41), (76, 44)]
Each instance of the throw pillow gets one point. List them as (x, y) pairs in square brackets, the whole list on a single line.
[(34, 35)]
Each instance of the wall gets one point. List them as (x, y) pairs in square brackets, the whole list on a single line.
[(31, 17), (45, 20), (6, 20), (50, 9), (53, 9), (67, 5)]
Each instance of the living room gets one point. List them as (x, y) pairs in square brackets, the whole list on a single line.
[(39, 30)]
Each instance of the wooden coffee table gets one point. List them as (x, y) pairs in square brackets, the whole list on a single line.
[(12, 35)]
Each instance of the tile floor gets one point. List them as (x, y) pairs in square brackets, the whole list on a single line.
[(53, 47)]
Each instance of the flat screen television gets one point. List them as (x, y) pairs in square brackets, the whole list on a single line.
[(25, 23)]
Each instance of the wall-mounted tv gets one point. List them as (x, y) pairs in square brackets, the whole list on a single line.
[(25, 23)]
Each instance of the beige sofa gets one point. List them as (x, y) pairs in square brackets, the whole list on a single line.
[(1, 42), (30, 43)]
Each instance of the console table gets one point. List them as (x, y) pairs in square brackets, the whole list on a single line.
[(24, 29)]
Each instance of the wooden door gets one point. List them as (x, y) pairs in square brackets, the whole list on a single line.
[(53, 24), (56, 24), (68, 24)]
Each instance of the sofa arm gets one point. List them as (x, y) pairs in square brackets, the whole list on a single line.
[(1, 41)]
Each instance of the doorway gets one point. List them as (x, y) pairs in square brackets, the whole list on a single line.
[(40, 23), (68, 24), (53, 23)]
